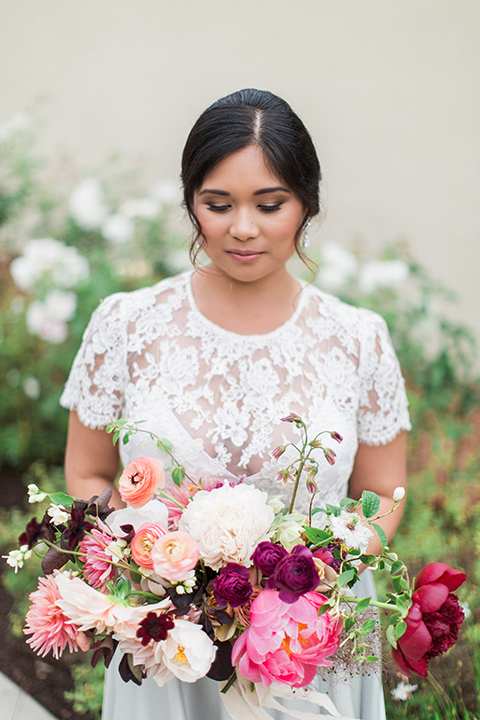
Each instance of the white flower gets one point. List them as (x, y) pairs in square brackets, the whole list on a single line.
[(47, 258), (152, 512), (117, 549), (288, 529), (31, 388), (348, 527), (151, 657), (376, 274), (118, 229), (48, 318), (35, 494), (399, 493), (403, 691), (338, 267), (228, 523), (276, 503), (86, 204), (165, 192), (188, 651), (58, 514), (466, 609), (16, 558)]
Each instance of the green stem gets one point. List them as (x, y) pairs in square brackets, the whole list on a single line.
[(375, 603)]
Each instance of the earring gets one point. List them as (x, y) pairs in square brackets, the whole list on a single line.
[(305, 238)]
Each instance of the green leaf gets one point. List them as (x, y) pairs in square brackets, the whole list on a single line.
[(315, 535), (164, 444), (126, 437), (178, 474), (372, 658), (115, 436), (349, 623), (370, 503), (367, 559), (396, 567), (381, 535), (347, 501), (60, 498), (396, 584), (368, 626), (391, 636), (363, 604), (400, 629), (334, 510), (135, 577), (323, 609), (317, 510), (345, 577)]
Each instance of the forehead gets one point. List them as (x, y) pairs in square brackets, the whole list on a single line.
[(243, 167)]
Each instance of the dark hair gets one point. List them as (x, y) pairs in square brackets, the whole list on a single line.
[(245, 118)]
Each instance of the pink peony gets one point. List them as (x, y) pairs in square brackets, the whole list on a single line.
[(49, 627), (143, 542), (140, 479), (174, 555), (286, 642), (98, 567)]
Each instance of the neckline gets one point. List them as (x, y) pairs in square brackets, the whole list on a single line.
[(238, 336)]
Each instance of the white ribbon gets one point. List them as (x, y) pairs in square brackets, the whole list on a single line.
[(244, 704)]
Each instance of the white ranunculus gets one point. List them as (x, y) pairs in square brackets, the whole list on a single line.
[(152, 512), (376, 274), (49, 318), (47, 258), (338, 267), (118, 229), (188, 651), (86, 204), (228, 523)]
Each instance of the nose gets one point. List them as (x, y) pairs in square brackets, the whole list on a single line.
[(243, 227)]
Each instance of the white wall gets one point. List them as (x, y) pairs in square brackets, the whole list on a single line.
[(388, 88)]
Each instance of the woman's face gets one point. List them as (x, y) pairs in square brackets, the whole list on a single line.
[(247, 216)]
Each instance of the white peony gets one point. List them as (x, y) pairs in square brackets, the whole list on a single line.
[(152, 512), (86, 204), (188, 651), (151, 657), (228, 523), (47, 258)]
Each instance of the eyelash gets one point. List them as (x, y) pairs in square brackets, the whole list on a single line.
[(263, 208)]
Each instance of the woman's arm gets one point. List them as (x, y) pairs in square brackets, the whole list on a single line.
[(381, 469), (91, 462)]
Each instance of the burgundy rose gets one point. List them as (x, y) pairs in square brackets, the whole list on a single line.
[(232, 586), (433, 621), (326, 553), (267, 556), (295, 575)]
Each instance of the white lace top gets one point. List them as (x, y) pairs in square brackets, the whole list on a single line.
[(219, 397)]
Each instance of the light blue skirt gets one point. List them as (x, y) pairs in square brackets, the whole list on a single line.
[(360, 698)]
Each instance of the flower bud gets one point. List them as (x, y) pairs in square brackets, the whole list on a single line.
[(278, 452), (329, 456), (336, 436), (399, 493), (293, 417)]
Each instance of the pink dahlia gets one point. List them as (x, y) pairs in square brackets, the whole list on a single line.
[(286, 642), (97, 563), (49, 627)]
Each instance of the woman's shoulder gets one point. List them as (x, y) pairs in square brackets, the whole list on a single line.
[(167, 291), (346, 316)]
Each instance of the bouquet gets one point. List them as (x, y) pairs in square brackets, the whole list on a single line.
[(209, 578)]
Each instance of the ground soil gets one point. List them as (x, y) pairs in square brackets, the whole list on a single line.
[(45, 679)]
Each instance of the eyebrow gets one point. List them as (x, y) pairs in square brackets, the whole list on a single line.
[(263, 191)]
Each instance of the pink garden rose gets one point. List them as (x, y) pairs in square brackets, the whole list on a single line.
[(174, 555), (143, 542), (286, 642), (140, 479)]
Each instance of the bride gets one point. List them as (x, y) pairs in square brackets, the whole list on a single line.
[(212, 359)]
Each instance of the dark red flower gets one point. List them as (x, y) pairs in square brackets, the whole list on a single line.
[(35, 532), (267, 555), (155, 627), (76, 528), (233, 585), (433, 621), (295, 575)]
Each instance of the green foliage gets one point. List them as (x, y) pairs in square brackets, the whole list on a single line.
[(88, 691)]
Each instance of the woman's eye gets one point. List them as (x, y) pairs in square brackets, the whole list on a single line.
[(218, 208), (270, 208)]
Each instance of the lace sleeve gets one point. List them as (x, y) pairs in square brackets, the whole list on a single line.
[(383, 406), (95, 387)]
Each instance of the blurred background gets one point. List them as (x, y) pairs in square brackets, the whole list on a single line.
[(97, 98)]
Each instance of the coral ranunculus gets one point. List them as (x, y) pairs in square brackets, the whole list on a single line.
[(286, 642), (174, 555), (140, 479), (143, 542), (433, 621)]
